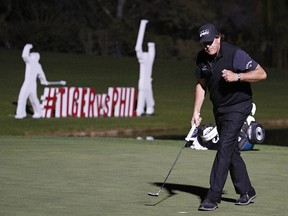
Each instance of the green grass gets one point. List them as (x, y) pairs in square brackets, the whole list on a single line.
[(108, 176), (173, 85), (52, 175)]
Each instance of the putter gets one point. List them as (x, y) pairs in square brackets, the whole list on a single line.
[(188, 138)]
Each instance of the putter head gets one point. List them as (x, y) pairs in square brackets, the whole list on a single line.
[(153, 194)]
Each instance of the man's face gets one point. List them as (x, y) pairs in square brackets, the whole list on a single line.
[(213, 47)]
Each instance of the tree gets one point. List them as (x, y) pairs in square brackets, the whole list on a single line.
[(276, 31), (5, 11), (109, 27)]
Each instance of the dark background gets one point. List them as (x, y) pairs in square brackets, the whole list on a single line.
[(110, 27)]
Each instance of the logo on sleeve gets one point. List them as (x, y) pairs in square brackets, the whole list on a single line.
[(248, 65)]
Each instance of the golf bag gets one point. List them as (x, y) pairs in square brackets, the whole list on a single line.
[(208, 136), (251, 133)]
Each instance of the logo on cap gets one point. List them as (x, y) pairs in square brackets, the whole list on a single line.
[(204, 32)]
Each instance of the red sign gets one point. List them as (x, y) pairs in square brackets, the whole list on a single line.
[(84, 102)]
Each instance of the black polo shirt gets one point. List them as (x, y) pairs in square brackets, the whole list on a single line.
[(224, 94)]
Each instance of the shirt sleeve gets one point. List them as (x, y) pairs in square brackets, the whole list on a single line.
[(243, 62)]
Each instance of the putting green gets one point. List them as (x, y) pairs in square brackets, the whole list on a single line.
[(105, 176)]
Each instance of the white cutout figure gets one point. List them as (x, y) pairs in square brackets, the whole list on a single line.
[(29, 87), (146, 60)]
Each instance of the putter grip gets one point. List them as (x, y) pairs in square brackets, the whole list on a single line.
[(189, 135)]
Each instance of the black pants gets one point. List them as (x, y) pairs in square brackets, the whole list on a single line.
[(228, 156)]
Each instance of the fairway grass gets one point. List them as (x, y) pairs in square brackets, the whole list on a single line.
[(112, 176)]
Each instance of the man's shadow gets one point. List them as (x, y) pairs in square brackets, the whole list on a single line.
[(192, 189)]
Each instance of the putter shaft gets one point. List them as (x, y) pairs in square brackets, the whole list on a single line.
[(162, 186)]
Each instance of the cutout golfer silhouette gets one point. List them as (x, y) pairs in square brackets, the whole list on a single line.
[(29, 87), (146, 60)]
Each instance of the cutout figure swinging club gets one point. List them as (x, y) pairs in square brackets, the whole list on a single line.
[(28, 90)]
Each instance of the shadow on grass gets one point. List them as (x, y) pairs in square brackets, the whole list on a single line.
[(192, 189), (29, 108)]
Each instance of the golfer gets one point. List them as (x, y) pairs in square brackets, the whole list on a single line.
[(226, 72)]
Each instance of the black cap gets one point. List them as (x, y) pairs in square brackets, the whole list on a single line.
[(207, 33)]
